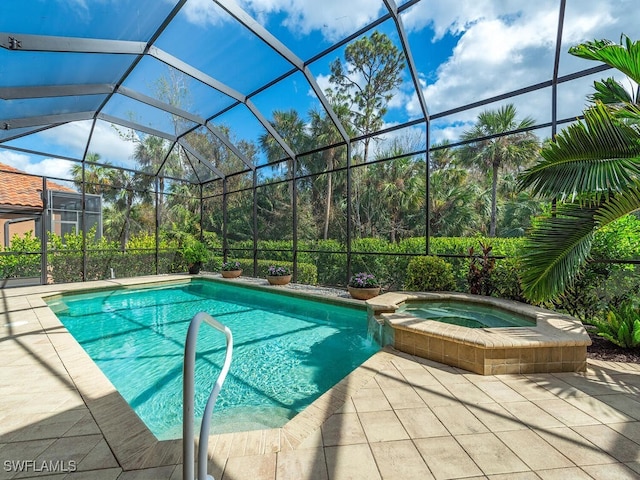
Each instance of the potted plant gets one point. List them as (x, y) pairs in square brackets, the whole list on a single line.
[(278, 274), (231, 269), (363, 286), (195, 253)]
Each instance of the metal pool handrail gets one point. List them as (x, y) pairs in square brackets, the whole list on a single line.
[(188, 395)]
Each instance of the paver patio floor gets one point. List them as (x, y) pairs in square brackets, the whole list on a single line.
[(399, 417)]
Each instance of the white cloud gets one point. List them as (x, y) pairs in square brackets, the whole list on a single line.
[(330, 17), (504, 46), (49, 167), (323, 82), (411, 138), (71, 137), (494, 56), (444, 19), (16, 160), (450, 132), (203, 12), (105, 140)]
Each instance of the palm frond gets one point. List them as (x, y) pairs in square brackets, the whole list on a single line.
[(618, 206), (555, 250), (559, 245), (624, 56), (597, 156), (610, 91)]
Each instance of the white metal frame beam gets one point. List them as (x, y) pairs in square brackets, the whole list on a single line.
[(24, 42), (206, 162), (136, 126), (262, 33), (49, 43), (215, 131), (47, 91), (41, 120)]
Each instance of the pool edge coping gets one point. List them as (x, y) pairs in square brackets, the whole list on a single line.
[(555, 343), (549, 323)]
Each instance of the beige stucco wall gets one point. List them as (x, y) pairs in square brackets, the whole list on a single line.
[(16, 228)]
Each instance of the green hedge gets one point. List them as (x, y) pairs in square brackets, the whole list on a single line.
[(429, 273), (307, 272), (22, 259), (66, 266), (599, 286), (390, 265)]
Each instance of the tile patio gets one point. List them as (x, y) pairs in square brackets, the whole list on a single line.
[(396, 417)]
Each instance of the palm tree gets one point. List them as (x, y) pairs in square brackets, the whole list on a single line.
[(325, 132), (292, 130), (128, 188), (592, 169), (150, 152), (441, 155), (393, 193), (490, 148), (96, 177), (452, 202), (518, 207)]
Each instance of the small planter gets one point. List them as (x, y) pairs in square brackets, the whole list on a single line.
[(194, 268), (278, 279), (231, 273), (364, 293)]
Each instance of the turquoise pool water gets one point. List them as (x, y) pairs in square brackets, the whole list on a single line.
[(288, 351), (471, 315)]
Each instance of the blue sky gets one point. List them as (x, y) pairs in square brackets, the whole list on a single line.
[(476, 50)]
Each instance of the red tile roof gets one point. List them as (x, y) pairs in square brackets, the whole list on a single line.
[(22, 190)]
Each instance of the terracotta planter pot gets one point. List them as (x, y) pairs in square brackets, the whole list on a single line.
[(279, 279), (364, 293), (231, 273)]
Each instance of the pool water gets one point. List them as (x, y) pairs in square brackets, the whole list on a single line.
[(464, 314), (287, 351)]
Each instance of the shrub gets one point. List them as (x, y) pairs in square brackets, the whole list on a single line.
[(505, 280), (480, 269), (601, 286), (385, 266), (194, 251), (24, 261), (307, 274), (429, 273), (388, 260), (331, 267), (621, 326)]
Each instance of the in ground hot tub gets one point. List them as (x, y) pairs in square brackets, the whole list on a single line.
[(485, 335), (465, 314)]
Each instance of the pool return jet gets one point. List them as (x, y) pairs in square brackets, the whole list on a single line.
[(188, 389)]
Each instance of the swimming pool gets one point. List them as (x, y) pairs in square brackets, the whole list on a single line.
[(287, 350)]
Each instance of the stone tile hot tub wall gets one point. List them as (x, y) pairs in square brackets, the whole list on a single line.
[(557, 343)]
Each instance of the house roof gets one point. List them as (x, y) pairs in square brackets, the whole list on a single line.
[(20, 189)]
